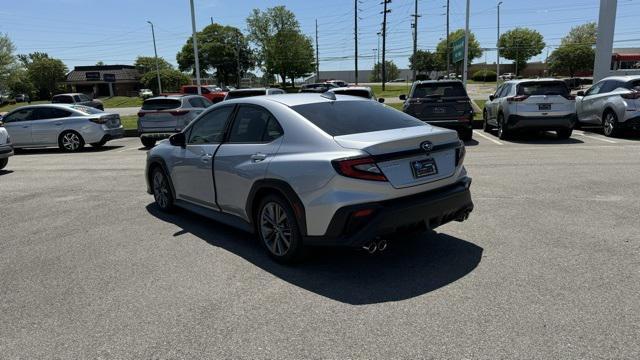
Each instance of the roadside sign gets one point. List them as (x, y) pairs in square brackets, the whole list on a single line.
[(457, 50), (109, 77)]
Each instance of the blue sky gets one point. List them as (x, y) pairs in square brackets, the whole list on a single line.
[(82, 32)]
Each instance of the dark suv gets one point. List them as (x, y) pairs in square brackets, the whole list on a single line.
[(443, 103)]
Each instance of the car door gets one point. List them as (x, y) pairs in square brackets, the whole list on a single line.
[(585, 107), (192, 166), (18, 125), (254, 138), (47, 124), (491, 105)]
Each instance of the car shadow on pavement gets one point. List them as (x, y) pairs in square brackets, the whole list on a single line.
[(5, 172), (86, 149), (472, 142), (543, 138), (410, 267)]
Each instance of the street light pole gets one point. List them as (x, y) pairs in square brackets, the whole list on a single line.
[(153, 34), (498, 48), (378, 60), (195, 46), (466, 47)]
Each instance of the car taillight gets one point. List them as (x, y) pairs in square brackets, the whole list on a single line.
[(460, 153), (517, 98), (140, 114), (99, 120), (179, 112), (632, 95), (359, 168)]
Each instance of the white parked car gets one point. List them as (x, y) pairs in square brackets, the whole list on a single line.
[(361, 91), (145, 93), (6, 150)]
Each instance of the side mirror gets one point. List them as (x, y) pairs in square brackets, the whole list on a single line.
[(381, 100), (580, 93), (491, 97), (403, 97), (178, 140)]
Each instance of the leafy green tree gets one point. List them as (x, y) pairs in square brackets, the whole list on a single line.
[(475, 51), (46, 74), (424, 61), (390, 68), (584, 34), (172, 80), (19, 83), (218, 49), (8, 61), (145, 64), (576, 52), (283, 49), (100, 63), (520, 45)]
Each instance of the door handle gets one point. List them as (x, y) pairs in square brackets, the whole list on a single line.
[(58, 123), (258, 157), (25, 126)]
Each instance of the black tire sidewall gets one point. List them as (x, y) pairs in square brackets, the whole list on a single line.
[(614, 131), (148, 142), (170, 202), (296, 248), (3, 163), (82, 143)]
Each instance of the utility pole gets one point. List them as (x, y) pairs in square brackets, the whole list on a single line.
[(384, 40), (355, 18), (448, 50), (415, 35), (195, 46), (378, 60), (212, 20), (375, 59), (498, 49), (466, 48), (238, 57), (317, 58), (155, 51)]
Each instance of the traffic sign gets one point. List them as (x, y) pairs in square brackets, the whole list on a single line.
[(457, 51)]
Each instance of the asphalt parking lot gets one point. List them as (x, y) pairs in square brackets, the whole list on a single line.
[(548, 266)]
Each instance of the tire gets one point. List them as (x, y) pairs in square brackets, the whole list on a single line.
[(610, 124), (466, 135), (276, 225), (564, 133), (485, 123), (100, 107), (70, 141), (3, 163), (148, 142), (503, 132), (161, 189)]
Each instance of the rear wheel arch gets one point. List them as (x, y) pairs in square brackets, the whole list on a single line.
[(265, 187)]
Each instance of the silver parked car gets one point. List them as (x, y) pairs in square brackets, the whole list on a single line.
[(241, 93), (361, 91), (162, 116), (309, 169), (613, 103), (77, 99), (540, 104), (69, 127), (6, 150)]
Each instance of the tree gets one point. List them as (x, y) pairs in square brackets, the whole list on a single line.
[(283, 49), (100, 63), (19, 83), (218, 49), (391, 69), (576, 51), (424, 61), (172, 79), (441, 50), (145, 64), (520, 45), (8, 61), (46, 73)]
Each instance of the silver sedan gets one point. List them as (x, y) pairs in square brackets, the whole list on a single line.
[(69, 127)]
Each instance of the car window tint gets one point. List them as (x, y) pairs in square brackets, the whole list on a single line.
[(20, 115), (543, 88), (610, 85), (190, 90), (206, 102), (439, 89), (353, 117), (62, 99), (361, 93), (196, 102), (44, 113), (274, 130), (244, 93), (161, 104), (249, 125), (209, 128), (204, 90), (77, 98), (498, 91), (595, 89)]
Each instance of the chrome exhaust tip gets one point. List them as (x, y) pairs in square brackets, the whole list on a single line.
[(371, 247), (382, 245)]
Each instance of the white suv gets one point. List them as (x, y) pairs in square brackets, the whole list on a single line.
[(540, 104), (6, 150)]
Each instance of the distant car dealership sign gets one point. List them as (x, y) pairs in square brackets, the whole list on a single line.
[(457, 50), (109, 77), (92, 75)]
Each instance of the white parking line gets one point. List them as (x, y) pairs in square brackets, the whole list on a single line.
[(581, 133), (486, 137), (127, 149)]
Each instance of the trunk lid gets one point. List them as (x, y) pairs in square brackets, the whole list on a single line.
[(544, 98), (437, 108), (400, 157)]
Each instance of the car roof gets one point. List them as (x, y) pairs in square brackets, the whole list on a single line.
[(438, 81), (294, 99), (518, 81), (173, 96), (623, 77), (250, 89), (68, 94)]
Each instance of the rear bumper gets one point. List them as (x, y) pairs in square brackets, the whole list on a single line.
[(517, 122), (6, 151), (428, 210), (632, 123)]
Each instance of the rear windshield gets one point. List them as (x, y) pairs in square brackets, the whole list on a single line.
[(361, 93), (161, 104), (86, 109), (245, 93), (439, 89), (543, 88), (338, 118)]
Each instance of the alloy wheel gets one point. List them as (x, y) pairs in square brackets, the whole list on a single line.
[(275, 228), (609, 124), (71, 141), (160, 189)]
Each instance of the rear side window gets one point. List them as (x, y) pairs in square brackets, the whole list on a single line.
[(209, 129), (244, 93), (44, 113), (62, 99), (543, 88), (254, 125), (196, 102), (338, 118), (190, 90), (161, 104), (20, 115), (633, 85), (361, 93), (439, 89)]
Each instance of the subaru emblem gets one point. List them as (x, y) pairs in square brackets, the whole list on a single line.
[(427, 146)]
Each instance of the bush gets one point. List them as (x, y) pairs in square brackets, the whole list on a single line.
[(484, 75)]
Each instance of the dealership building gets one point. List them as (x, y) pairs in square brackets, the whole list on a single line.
[(104, 80)]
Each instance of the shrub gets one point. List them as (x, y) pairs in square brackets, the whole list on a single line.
[(484, 75)]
